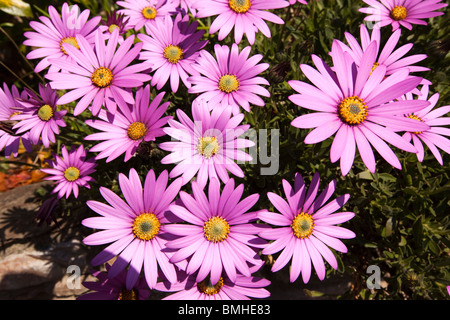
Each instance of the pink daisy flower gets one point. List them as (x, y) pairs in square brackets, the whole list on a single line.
[(207, 145), (231, 79), (392, 60), (403, 13), (145, 13), (70, 171), (246, 16), (102, 75), (9, 107), (51, 33), (172, 47), (218, 234), (355, 103), (40, 116), (136, 227), (307, 228), (433, 138), (243, 288), (115, 288), (113, 21), (124, 132)]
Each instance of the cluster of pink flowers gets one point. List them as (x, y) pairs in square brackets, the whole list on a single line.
[(205, 244)]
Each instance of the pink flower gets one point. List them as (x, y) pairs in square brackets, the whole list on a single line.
[(9, 107), (434, 137), (246, 16), (124, 132), (51, 33), (306, 228), (172, 47), (70, 171), (218, 234), (102, 77), (206, 146), (40, 116), (355, 104), (135, 227), (145, 13), (403, 13), (232, 79)]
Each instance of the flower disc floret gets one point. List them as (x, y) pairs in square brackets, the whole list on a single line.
[(102, 77), (228, 83), (399, 13), (70, 40), (137, 131), (240, 6), (208, 146), (149, 13), (45, 113), (146, 226), (173, 53), (208, 288), (71, 173), (302, 225), (216, 229), (352, 110)]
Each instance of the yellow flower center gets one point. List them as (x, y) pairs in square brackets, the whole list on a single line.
[(45, 112), (146, 226), (302, 225), (208, 146), (137, 130), (71, 174), (414, 117), (240, 6), (149, 13), (352, 110), (112, 27), (398, 13), (228, 83), (69, 40), (173, 53), (375, 65), (128, 294), (208, 288), (216, 229), (102, 77)]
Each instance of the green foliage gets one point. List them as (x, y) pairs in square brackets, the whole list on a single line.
[(402, 216)]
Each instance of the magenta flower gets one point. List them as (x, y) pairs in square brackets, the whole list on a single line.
[(246, 16), (113, 21), (136, 227), (9, 107), (231, 79), (403, 13), (52, 33), (307, 228), (392, 60), (124, 132), (145, 13), (172, 48), (70, 171), (102, 77), (433, 138), (355, 103), (40, 116), (115, 288), (207, 145), (218, 234), (243, 288)]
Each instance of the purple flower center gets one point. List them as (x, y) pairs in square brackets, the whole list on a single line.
[(239, 6)]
